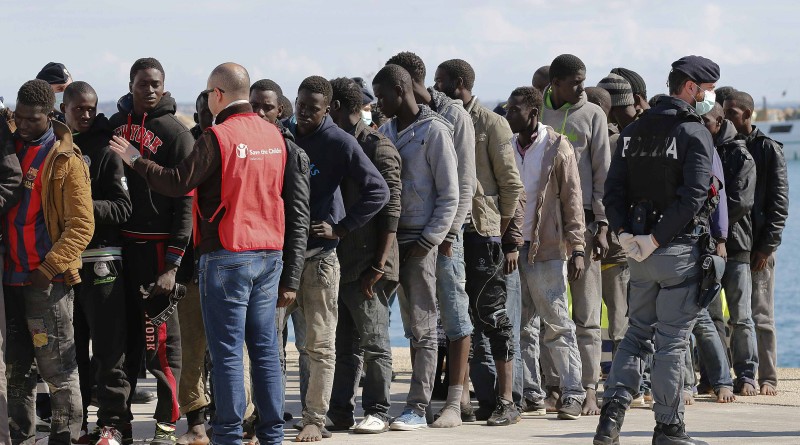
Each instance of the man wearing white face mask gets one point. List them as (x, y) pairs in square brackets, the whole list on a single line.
[(659, 196), (59, 78)]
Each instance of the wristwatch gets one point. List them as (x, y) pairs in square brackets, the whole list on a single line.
[(134, 158)]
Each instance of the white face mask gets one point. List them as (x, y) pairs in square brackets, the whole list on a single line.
[(366, 116), (707, 104), (59, 100)]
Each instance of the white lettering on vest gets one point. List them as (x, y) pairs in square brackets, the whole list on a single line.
[(625, 142), (672, 149)]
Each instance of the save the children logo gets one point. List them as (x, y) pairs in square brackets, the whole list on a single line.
[(241, 151)]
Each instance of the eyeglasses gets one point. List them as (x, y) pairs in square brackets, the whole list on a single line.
[(211, 90)]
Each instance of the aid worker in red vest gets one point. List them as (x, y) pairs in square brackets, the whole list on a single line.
[(238, 170)]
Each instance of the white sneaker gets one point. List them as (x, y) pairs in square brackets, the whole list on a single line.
[(372, 425), (639, 402)]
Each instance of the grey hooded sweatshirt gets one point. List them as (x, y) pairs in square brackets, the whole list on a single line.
[(430, 196), (585, 126)]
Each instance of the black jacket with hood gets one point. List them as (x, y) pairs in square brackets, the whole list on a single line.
[(771, 202), (740, 186), (161, 138), (10, 171), (110, 199)]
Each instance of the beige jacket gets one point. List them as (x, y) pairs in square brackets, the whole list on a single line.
[(558, 222), (499, 184)]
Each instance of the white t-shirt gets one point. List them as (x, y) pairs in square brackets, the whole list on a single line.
[(530, 170)]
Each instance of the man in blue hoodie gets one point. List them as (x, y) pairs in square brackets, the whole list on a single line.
[(334, 155), (429, 202)]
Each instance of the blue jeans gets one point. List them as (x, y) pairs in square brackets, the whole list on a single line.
[(451, 278), (482, 371), (711, 352), (738, 286), (544, 297), (238, 294)]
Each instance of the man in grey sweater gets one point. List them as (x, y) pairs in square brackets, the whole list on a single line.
[(429, 202), (584, 124), (450, 267)]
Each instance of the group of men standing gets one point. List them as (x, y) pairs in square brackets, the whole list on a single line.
[(320, 214)]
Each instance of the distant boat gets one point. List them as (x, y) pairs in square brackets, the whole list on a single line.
[(785, 132)]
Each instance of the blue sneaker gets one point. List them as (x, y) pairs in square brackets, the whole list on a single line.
[(408, 421)]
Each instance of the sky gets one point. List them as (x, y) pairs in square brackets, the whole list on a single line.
[(505, 41)]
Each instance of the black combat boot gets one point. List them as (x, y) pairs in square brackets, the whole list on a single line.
[(673, 435), (611, 417)]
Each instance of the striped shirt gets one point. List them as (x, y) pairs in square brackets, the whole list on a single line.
[(24, 227)]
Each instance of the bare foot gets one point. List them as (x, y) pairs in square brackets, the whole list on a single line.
[(310, 433), (768, 390), (590, 407), (748, 390), (688, 398), (725, 395), (552, 399), (196, 435)]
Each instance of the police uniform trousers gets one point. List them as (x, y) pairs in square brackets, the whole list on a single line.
[(662, 309)]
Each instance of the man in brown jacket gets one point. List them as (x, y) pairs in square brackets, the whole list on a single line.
[(44, 234), (553, 230), (493, 206)]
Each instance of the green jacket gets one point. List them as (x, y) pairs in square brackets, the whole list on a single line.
[(499, 184)]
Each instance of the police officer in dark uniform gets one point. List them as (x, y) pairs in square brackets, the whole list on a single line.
[(659, 197)]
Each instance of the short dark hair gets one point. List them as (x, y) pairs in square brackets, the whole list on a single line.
[(530, 96), (723, 93), (146, 63), (348, 93), (288, 109), (566, 65), (654, 100), (743, 100), (412, 63), (456, 68), (317, 84), (77, 88), (676, 80), (267, 85), (391, 75), (600, 97), (37, 93)]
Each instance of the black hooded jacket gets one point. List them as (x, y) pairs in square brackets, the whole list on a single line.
[(10, 172), (771, 203), (163, 139), (740, 186), (112, 204)]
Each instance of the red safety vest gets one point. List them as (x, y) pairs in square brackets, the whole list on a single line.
[(253, 161)]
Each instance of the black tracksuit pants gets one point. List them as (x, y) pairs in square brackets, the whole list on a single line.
[(99, 316), (159, 347)]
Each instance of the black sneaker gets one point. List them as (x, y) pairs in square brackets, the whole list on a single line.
[(610, 424), (164, 435), (505, 413), (673, 435), (142, 396), (532, 407), (570, 409), (468, 413)]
